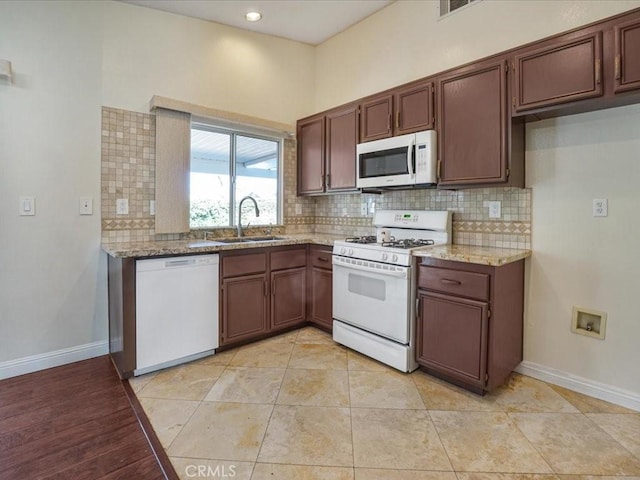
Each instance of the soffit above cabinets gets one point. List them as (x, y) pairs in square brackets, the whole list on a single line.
[(307, 21)]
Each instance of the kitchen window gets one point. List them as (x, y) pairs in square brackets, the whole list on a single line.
[(226, 166)]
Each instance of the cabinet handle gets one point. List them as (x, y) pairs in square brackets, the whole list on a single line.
[(446, 281), (328, 180), (389, 122), (323, 259), (439, 170), (264, 288), (398, 119), (598, 71), (617, 67)]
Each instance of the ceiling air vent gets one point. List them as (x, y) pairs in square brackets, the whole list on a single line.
[(449, 6)]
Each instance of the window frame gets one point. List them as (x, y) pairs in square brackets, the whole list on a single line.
[(233, 130)]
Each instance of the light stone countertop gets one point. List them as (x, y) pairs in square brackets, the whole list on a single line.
[(459, 253), (473, 254), (186, 247)]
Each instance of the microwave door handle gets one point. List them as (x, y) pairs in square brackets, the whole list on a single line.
[(410, 159)]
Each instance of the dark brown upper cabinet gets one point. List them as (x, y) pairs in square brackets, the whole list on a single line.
[(327, 151), (414, 108), (627, 56), (311, 155), (342, 138), (375, 118), (564, 71), (474, 128), (404, 110)]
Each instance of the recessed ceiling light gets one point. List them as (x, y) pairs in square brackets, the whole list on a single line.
[(253, 16)]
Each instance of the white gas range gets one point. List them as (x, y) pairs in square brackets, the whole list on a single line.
[(374, 284)]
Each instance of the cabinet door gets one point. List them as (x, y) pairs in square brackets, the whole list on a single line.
[(627, 59), (473, 116), (414, 109), (375, 118), (321, 297), (310, 137), (288, 297), (452, 337), (342, 138), (563, 72), (244, 308)]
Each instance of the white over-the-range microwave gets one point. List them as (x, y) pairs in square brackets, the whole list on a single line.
[(406, 160)]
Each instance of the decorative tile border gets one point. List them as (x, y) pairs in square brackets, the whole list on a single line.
[(518, 228), (128, 223)]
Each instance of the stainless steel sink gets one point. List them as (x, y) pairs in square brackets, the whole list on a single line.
[(249, 239)]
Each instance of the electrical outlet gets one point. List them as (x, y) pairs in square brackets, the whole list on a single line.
[(495, 209), (298, 209), (344, 212), (122, 206), (363, 209), (152, 207), (600, 207), (85, 206)]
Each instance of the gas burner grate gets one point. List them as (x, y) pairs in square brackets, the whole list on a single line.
[(364, 239), (408, 243)]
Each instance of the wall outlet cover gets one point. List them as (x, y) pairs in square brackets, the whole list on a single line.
[(298, 209), (122, 206), (600, 207), (152, 207), (495, 209), (363, 209)]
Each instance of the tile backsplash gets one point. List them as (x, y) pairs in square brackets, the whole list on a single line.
[(128, 171)]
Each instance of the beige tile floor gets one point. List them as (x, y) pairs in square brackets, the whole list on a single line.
[(299, 406)]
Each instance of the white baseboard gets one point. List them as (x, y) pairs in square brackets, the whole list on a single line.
[(609, 393), (13, 368)]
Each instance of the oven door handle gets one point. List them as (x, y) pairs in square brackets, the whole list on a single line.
[(379, 271)]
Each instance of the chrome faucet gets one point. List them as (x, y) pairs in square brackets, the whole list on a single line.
[(255, 205)]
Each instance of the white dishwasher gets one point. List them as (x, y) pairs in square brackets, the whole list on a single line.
[(176, 310)]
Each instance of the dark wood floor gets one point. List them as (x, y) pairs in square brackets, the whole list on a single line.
[(74, 422)]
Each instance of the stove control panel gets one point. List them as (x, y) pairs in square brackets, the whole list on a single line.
[(406, 218)]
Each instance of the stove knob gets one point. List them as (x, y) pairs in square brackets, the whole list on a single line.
[(394, 258), (384, 256), (343, 251), (350, 252)]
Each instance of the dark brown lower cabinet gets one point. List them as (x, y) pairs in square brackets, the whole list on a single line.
[(321, 287), (244, 308), (470, 321), (263, 291), (288, 297), (454, 336)]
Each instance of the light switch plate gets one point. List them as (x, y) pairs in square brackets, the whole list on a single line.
[(85, 206), (27, 206), (495, 209), (122, 206), (600, 207), (152, 207)]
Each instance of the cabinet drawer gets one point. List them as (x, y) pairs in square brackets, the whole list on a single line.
[(235, 265), (320, 258), (463, 284), (288, 259)]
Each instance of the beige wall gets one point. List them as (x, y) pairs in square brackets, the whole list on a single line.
[(407, 40), (577, 259), (71, 58), (148, 52), (52, 273)]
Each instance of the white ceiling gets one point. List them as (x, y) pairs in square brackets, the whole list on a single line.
[(308, 21)]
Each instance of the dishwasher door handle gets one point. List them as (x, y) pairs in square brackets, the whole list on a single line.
[(179, 263)]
